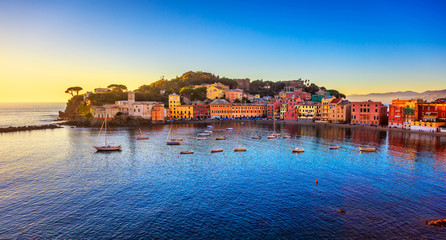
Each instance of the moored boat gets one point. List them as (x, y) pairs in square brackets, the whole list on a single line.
[(256, 137), (367, 149), (271, 137), (217, 150), (141, 137), (333, 147), (220, 138), (173, 142), (287, 136), (201, 138), (106, 146), (187, 152), (298, 150), (229, 129), (239, 149), (203, 134)]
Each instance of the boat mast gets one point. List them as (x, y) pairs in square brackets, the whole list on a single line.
[(105, 130)]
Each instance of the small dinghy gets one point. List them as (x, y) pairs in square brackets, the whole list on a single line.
[(187, 152), (367, 149), (228, 129), (220, 138), (207, 131), (216, 150), (200, 138), (271, 137), (333, 147), (141, 137), (239, 149), (287, 136), (204, 134), (298, 150), (108, 148), (256, 137), (173, 143)]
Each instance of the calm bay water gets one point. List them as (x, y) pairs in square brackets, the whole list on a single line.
[(29, 114), (53, 184)]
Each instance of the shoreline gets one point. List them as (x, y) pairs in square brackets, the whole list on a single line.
[(210, 121)]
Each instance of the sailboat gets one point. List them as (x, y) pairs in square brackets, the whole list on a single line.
[(273, 135), (172, 141), (106, 147), (141, 137), (367, 149), (296, 149)]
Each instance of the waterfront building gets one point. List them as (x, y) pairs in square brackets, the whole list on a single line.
[(325, 106), (273, 109), (248, 110), (368, 113), (182, 112), (402, 112), (283, 109), (142, 109), (158, 113), (202, 111), (291, 112), (306, 111), (429, 117), (339, 111), (174, 100), (108, 111), (234, 94), (220, 108)]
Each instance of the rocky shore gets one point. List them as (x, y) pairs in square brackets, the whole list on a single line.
[(28, 128)]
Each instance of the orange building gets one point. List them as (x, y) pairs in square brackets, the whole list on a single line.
[(221, 108), (402, 112), (249, 111)]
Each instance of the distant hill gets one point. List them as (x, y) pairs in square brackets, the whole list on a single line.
[(388, 97)]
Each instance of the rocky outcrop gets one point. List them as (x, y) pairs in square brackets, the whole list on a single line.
[(72, 108), (28, 128), (439, 223)]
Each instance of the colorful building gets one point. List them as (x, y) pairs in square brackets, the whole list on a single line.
[(402, 112), (202, 111), (234, 94), (182, 112), (340, 111), (220, 108), (325, 106), (307, 111), (174, 100), (248, 110), (273, 109), (368, 113)]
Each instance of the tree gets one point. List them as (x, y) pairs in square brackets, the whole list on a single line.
[(117, 87), (71, 90), (237, 101), (336, 94)]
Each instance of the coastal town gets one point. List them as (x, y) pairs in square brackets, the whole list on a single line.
[(291, 104)]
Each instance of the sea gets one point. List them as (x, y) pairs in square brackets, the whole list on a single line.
[(54, 185), (29, 114)]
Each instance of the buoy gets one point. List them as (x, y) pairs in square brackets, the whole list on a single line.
[(317, 181), (341, 211)]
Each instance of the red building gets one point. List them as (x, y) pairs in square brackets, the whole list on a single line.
[(369, 113), (433, 112), (402, 112), (291, 113), (273, 109), (202, 111)]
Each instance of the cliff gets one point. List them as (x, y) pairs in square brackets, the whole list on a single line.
[(72, 109)]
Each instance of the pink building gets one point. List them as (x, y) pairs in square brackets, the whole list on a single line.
[(232, 95), (291, 113), (368, 113)]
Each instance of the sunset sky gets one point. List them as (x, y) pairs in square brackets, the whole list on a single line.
[(351, 46)]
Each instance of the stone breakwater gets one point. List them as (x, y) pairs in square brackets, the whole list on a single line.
[(28, 128)]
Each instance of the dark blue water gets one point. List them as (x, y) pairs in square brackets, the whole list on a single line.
[(54, 185)]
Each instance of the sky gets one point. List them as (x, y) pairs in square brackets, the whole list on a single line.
[(356, 47)]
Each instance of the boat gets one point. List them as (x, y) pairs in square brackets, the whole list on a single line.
[(204, 134), (200, 138), (207, 131), (287, 136), (298, 150), (217, 150), (187, 152), (220, 138), (271, 137), (367, 149), (239, 149), (229, 129), (210, 126), (106, 146), (333, 147), (177, 139), (172, 141), (256, 137), (274, 131), (141, 137)]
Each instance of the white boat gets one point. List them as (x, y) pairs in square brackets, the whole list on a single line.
[(239, 149), (229, 129), (106, 146), (331, 147), (203, 134), (207, 131), (271, 137), (200, 138), (209, 126), (287, 136), (297, 150), (141, 137), (220, 138)]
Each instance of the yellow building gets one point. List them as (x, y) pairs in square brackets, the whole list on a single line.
[(307, 111), (174, 100), (213, 92), (182, 112), (325, 108)]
